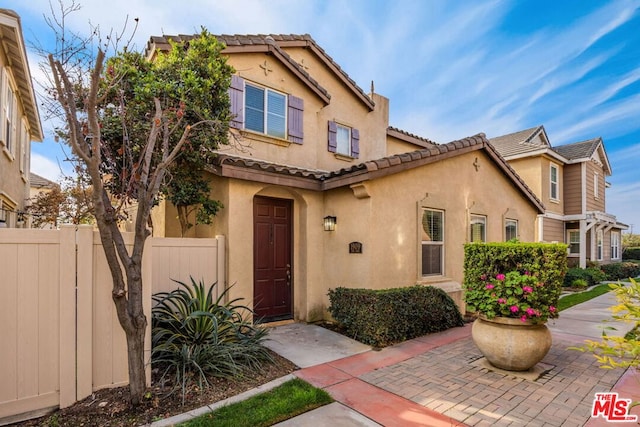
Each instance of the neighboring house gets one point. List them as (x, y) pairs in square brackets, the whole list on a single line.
[(39, 185), (316, 153), (19, 121), (571, 182)]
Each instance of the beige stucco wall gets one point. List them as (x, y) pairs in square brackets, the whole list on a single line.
[(386, 223), (535, 171), (313, 153)]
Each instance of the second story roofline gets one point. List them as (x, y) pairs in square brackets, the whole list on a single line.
[(13, 46), (274, 44)]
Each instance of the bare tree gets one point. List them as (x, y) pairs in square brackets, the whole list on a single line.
[(128, 121)]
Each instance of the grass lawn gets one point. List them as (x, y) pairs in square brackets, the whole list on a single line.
[(286, 401), (580, 297)]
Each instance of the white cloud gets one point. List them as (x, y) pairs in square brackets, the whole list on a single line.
[(45, 167)]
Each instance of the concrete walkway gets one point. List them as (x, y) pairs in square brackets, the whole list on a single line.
[(440, 380)]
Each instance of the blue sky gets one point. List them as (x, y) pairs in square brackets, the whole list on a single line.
[(450, 68)]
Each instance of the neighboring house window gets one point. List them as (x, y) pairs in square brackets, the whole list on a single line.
[(344, 140), (510, 229), (478, 228), (9, 124), (432, 224), (553, 178), (595, 185), (599, 239), (24, 148), (265, 111), (615, 245), (573, 238)]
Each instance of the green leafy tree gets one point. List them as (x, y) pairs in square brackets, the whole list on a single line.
[(129, 120)]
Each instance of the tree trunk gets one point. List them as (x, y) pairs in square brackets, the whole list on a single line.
[(135, 357)]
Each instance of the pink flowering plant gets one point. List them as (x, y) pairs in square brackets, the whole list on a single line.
[(514, 294)]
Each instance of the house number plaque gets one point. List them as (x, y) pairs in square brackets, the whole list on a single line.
[(355, 248)]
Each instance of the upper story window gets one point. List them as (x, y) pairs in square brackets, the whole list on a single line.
[(265, 110), (344, 140), (8, 115), (596, 192), (478, 228), (432, 231), (554, 179), (510, 229)]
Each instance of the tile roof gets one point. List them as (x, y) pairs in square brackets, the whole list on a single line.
[(409, 137), (325, 180), (277, 42), (520, 142), (578, 150), (37, 181)]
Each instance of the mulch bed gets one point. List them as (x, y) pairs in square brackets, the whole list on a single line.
[(109, 407)]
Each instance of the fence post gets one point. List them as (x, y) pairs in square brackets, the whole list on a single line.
[(221, 271), (84, 307), (67, 315), (147, 286)]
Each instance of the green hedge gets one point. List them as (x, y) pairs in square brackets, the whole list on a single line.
[(592, 275), (383, 317), (621, 270), (631, 253), (546, 260)]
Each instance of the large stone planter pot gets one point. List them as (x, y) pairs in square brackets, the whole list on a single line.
[(511, 344)]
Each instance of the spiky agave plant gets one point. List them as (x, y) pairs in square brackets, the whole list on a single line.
[(196, 336)]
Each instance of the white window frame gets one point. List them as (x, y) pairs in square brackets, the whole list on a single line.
[(554, 185), (576, 233), (599, 245), (24, 148), (439, 243), (507, 223), (267, 114), (615, 245), (343, 139), (596, 190), (474, 220)]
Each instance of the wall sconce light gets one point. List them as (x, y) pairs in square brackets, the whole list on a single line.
[(330, 223)]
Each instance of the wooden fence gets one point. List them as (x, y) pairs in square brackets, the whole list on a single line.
[(60, 339)]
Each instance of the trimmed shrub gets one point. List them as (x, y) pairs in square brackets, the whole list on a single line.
[(591, 275), (547, 261), (631, 253), (621, 270), (383, 317)]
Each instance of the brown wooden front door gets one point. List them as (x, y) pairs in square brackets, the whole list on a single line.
[(272, 266)]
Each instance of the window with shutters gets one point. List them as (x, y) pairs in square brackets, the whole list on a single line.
[(478, 228), (8, 116), (432, 231), (344, 140), (264, 110)]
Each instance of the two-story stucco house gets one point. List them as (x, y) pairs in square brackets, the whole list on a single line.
[(570, 180), (319, 191), (19, 121)]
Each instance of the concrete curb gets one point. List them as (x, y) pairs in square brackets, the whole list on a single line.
[(181, 418)]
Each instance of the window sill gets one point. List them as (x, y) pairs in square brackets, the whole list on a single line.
[(8, 153), (255, 136), (556, 201), (344, 157), (443, 282)]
